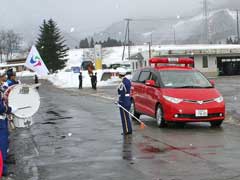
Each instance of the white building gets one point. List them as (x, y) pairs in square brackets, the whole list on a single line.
[(212, 60)]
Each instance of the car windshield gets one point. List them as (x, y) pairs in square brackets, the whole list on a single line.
[(184, 79)]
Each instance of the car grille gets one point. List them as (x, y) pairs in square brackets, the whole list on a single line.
[(192, 116), (199, 102)]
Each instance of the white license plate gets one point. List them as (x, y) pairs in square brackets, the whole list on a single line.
[(201, 113)]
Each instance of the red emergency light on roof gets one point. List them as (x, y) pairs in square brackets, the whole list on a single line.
[(157, 60)]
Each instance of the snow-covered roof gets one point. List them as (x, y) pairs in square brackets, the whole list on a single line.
[(11, 65), (199, 47)]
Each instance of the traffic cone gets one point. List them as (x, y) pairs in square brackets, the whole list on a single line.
[(142, 125)]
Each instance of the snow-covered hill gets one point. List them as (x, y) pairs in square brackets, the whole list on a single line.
[(221, 24)]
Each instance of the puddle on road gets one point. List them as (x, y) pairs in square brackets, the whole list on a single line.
[(48, 123), (149, 149), (53, 112), (59, 118), (233, 117), (63, 137)]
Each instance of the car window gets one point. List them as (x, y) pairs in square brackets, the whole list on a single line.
[(184, 79), (135, 76), (144, 76), (154, 77)]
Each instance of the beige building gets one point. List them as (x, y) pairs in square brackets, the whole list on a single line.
[(212, 60)]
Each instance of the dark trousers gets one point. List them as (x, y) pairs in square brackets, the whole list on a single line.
[(1, 164), (80, 85), (4, 142), (126, 121)]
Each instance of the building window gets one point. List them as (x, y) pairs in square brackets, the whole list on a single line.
[(205, 62)]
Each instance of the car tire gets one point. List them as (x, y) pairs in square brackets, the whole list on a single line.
[(133, 111), (161, 123), (216, 123)]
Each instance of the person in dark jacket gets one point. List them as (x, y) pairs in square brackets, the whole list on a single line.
[(80, 80), (94, 81), (125, 101), (36, 80)]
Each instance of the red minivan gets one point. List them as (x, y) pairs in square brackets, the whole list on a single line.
[(171, 91)]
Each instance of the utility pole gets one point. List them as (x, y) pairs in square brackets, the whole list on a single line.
[(205, 14), (127, 39), (238, 40), (174, 35), (149, 49), (151, 39)]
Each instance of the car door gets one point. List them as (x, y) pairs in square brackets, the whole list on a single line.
[(152, 94), (135, 87), (141, 103)]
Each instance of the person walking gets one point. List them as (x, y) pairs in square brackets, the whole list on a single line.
[(125, 101), (36, 81), (94, 81), (80, 80)]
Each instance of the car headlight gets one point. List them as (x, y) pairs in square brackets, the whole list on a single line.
[(219, 99), (173, 100)]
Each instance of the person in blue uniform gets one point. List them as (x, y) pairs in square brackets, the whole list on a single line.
[(4, 111), (11, 79), (125, 101)]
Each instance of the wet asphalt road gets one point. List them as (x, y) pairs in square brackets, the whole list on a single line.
[(77, 135)]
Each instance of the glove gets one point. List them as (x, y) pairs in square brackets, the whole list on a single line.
[(14, 110)]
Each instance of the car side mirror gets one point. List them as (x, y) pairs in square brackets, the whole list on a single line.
[(150, 83), (212, 83)]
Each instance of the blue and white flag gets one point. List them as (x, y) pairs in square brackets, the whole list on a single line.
[(35, 62)]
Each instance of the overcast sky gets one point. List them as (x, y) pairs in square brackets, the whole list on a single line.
[(88, 16)]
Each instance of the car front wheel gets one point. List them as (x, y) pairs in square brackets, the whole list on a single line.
[(159, 117)]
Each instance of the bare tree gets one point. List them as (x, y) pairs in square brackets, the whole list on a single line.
[(2, 44), (9, 43), (12, 43)]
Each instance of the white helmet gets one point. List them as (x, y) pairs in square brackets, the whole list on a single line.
[(2, 72), (122, 71)]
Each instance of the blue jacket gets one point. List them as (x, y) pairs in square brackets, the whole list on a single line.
[(124, 92), (9, 83)]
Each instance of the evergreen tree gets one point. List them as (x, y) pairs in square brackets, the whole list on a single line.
[(108, 43), (84, 43), (51, 47)]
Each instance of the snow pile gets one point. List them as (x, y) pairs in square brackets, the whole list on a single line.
[(67, 79), (70, 79)]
